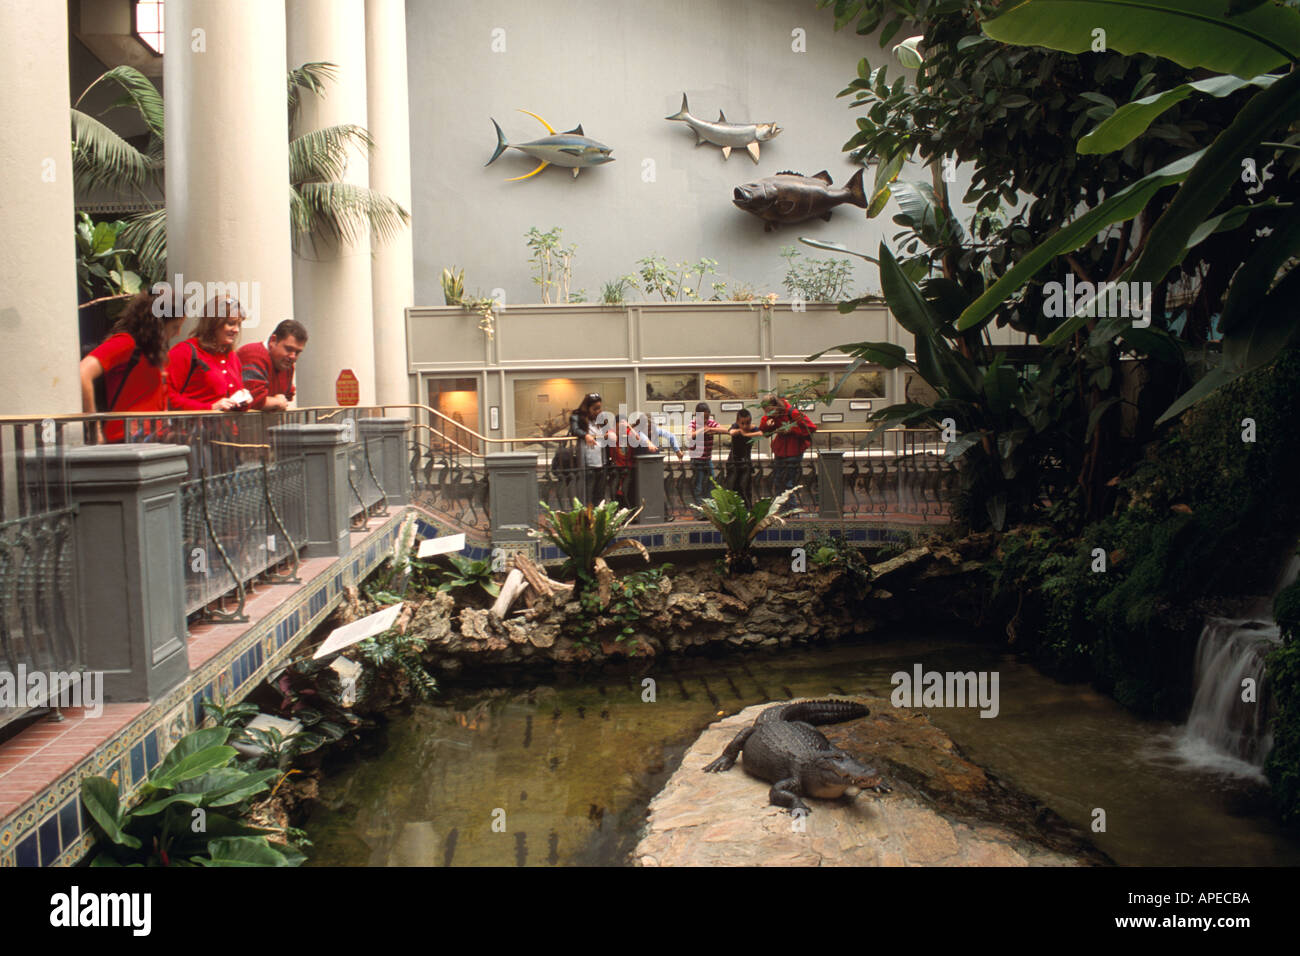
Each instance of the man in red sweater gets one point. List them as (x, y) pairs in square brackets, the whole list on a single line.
[(268, 369)]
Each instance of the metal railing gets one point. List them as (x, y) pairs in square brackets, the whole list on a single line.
[(40, 626)]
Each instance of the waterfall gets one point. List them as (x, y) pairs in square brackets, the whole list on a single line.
[(1223, 731)]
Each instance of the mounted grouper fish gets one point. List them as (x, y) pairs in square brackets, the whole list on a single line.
[(571, 149), (729, 136), (792, 197)]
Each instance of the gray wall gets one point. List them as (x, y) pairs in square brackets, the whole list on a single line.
[(619, 69)]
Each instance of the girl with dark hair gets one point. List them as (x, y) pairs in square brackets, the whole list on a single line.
[(586, 426), (204, 372), (131, 360)]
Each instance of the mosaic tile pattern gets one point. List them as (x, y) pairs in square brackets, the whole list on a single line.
[(53, 830)]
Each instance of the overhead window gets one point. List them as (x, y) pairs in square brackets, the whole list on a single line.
[(147, 24)]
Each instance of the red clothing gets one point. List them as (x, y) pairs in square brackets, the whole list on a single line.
[(788, 442), (197, 378), (261, 377), (142, 390)]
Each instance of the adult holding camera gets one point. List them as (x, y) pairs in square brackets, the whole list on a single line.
[(268, 369), (204, 372)]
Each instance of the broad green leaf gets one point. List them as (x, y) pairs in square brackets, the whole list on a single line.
[(1227, 221), (1124, 205), (905, 300), (886, 354), (99, 795), (1216, 170), (837, 247), (194, 765), (187, 746), (1255, 277), (151, 807), (1192, 33), (242, 851), (1132, 119), (1253, 344)]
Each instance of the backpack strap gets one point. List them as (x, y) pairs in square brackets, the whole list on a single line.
[(194, 358), (121, 385)]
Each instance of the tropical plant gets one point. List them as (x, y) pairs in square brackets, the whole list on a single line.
[(466, 573), (453, 286), (586, 534), (101, 264), (673, 283), (816, 280), (188, 811), (552, 262), (615, 291), (739, 524), (101, 158), (834, 551), (1245, 40), (321, 206), (622, 607), (394, 652)]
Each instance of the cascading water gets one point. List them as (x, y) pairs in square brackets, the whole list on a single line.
[(1224, 732)]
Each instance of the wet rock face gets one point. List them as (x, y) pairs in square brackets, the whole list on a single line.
[(944, 810)]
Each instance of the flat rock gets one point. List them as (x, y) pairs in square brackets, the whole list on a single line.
[(943, 811)]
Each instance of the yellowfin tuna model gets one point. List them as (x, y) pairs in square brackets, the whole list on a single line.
[(571, 149)]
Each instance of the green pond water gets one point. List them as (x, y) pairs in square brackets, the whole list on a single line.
[(562, 773)]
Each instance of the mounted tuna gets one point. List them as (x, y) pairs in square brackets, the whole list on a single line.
[(729, 136), (571, 149), (792, 197)]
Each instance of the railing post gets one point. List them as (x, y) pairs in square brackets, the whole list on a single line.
[(830, 484), (129, 563), (388, 436), (512, 494), (324, 449), (648, 488)]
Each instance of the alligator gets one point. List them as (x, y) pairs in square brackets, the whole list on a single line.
[(785, 749)]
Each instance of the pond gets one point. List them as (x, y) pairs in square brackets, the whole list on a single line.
[(562, 773)]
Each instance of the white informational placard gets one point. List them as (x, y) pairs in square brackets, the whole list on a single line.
[(368, 626), (733, 406), (448, 544)]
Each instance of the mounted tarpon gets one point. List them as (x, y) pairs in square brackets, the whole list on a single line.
[(570, 149), (792, 197), (729, 136)]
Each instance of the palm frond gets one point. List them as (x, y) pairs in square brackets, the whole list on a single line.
[(309, 77), (344, 213), (147, 235), (322, 154), (102, 158), (138, 92)]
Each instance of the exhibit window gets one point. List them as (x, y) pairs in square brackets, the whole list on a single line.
[(723, 386), (672, 386), (543, 405), (457, 398)]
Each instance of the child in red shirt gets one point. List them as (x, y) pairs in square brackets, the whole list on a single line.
[(131, 360)]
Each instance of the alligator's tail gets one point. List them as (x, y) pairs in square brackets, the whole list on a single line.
[(824, 711), (502, 145)]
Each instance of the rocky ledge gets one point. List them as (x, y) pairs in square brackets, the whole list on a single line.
[(943, 811), (699, 608)]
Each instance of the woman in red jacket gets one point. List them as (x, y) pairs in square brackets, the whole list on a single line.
[(131, 360), (791, 432), (203, 372)]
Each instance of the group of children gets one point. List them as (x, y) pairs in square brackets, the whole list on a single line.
[(790, 430)]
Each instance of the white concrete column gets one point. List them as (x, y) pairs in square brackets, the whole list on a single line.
[(38, 305), (228, 155), (392, 264), (331, 280)]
